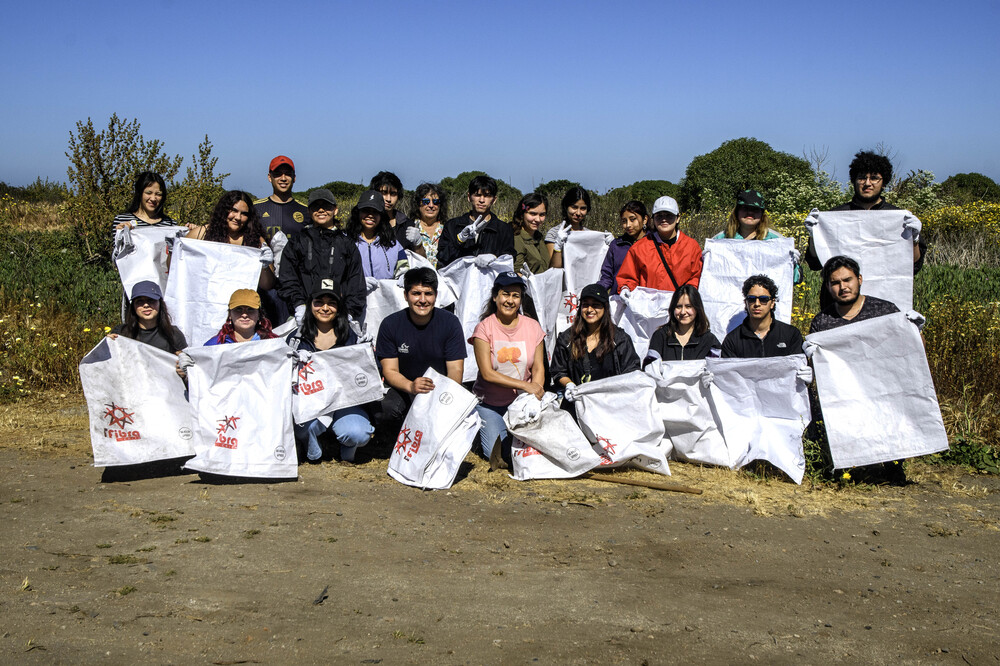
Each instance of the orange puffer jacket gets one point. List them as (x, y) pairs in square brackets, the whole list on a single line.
[(643, 268)]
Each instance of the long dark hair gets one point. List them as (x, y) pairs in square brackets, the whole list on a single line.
[(423, 190), (263, 329), (310, 327), (578, 335), (130, 328), (254, 234), (527, 303), (527, 202), (142, 181), (573, 195), (385, 235), (701, 324)]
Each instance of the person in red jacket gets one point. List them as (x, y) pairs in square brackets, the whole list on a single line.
[(666, 258)]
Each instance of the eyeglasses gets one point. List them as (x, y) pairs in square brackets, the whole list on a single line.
[(427, 202), (763, 299), (874, 180)]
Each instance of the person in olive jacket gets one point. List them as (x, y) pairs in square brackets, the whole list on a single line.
[(322, 251)]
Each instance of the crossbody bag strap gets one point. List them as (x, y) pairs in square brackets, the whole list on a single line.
[(665, 265)]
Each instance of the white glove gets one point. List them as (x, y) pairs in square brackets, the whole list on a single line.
[(401, 267), (569, 392), (912, 224), (300, 314), (184, 361), (302, 355), (472, 230), (371, 284), (795, 256), (123, 243), (360, 330), (707, 379), (812, 219), (413, 235), (624, 294), (562, 234), (809, 348), (525, 271), (484, 260), (916, 319), (266, 255), (804, 374)]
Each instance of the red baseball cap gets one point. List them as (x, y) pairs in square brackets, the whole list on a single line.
[(279, 160)]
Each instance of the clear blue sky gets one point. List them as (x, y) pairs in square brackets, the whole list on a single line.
[(605, 93)]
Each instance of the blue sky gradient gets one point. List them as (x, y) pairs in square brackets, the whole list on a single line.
[(601, 93)]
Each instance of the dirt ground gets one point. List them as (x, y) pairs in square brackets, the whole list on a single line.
[(345, 565)]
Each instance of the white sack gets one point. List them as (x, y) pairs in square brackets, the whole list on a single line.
[(583, 256), (241, 397), (684, 405), (876, 391), (728, 263), (335, 379), (877, 241), (645, 311), (473, 277), (135, 400), (386, 298), (619, 415), (436, 435), (762, 409), (203, 276), (545, 289), (142, 253), (548, 444), (278, 242)]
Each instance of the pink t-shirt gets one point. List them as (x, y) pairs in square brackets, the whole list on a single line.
[(512, 351)]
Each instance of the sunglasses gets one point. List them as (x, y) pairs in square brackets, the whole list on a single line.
[(427, 202), (763, 299)]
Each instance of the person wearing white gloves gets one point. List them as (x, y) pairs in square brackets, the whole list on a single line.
[(575, 206), (593, 347), (431, 204), (322, 251), (479, 231), (842, 282)]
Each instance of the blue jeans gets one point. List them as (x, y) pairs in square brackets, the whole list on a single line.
[(350, 426), (493, 427)]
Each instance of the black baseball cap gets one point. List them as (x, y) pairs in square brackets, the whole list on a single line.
[(596, 292)]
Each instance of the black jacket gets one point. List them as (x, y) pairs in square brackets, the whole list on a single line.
[(315, 254), (782, 340), (496, 238), (666, 345), (623, 360)]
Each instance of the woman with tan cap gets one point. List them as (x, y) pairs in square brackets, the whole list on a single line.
[(245, 321)]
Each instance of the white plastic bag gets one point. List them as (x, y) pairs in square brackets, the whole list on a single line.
[(548, 444), (142, 254), (278, 242), (583, 256), (203, 276), (619, 415), (689, 423), (877, 240), (474, 277), (645, 311), (241, 399), (545, 289), (876, 392), (728, 263), (335, 379), (436, 435), (135, 400), (762, 409), (385, 299)]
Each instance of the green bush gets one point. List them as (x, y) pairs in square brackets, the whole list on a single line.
[(965, 188), (713, 180)]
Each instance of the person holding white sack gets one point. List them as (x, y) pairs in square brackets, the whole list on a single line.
[(411, 341), (147, 320), (325, 326), (749, 221), (234, 220), (148, 206), (509, 345), (593, 347), (575, 206), (479, 231), (666, 258), (244, 322), (686, 337), (761, 335)]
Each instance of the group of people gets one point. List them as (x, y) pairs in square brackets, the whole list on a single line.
[(321, 283)]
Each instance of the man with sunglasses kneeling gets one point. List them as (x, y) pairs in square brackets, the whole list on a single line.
[(761, 335)]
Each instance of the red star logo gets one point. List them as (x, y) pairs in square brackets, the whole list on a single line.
[(606, 444), (305, 370), (227, 423), (402, 440), (117, 416), (571, 302)]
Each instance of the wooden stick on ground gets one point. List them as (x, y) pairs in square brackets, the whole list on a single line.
[(673, 487)]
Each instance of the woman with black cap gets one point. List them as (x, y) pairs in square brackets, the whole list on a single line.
[(325, 327), (593, 347), (147, 320), (375, 238), (509, 344)]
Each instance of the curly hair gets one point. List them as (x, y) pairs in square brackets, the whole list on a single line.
[(254, 234), (142, 181), (385, 235), (527, 202), (760, 281), (866, 162), (423, 190), (263, 329)]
